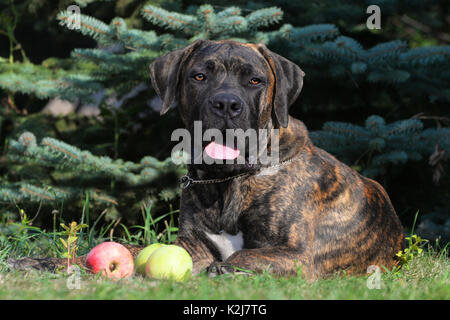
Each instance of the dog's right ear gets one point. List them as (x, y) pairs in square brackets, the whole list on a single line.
[(165, 74)]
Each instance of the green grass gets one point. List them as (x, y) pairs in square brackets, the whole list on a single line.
[(426, 276)]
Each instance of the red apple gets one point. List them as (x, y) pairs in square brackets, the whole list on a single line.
[(112, 259)]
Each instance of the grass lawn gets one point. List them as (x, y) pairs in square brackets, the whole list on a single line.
[(428, 277)]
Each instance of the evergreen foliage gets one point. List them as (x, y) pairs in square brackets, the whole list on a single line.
[(384, 144), (68, 162), (413, 71)]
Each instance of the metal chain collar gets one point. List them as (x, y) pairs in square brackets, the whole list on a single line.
[(187, 181)]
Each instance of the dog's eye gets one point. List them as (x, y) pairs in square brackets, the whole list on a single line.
[(199, 77), (255, 81)]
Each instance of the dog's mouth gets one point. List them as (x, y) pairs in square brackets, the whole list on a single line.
[(220, 151), (230, 152)]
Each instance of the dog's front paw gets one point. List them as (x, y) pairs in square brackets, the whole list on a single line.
[(219, 268)]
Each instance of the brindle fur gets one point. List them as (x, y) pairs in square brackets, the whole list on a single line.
[(315, 212)]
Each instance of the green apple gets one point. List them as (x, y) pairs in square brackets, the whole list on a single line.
[(169, 262), (143, 256)]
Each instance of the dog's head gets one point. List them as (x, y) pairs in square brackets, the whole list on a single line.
[(227, 85)]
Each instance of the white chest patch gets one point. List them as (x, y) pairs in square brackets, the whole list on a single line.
[(226, 243)]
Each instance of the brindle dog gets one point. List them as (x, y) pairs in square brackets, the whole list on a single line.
[(315, 213)]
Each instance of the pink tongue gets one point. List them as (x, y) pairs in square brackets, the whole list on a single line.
[(219, 151)]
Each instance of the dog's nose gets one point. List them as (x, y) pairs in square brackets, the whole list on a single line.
[(226, 105)]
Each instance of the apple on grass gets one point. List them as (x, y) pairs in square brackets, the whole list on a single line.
[(112, 259), (142, 257), (169, 262)]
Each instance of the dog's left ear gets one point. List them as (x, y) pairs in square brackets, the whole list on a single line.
[(165, 74), (288, 83)]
